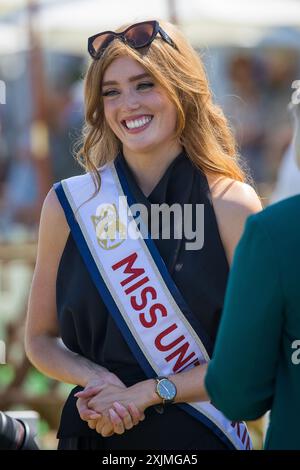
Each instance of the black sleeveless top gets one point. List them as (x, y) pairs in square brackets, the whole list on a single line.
[(87, 328)]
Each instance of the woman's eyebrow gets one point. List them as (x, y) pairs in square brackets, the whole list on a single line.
[(131, 79)]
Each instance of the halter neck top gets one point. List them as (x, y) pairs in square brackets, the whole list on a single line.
[(86, 326)]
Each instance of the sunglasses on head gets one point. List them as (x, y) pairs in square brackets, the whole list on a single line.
[(137, 36)]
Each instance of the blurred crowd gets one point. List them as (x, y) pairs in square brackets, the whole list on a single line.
[(35, 153), (258, 107)]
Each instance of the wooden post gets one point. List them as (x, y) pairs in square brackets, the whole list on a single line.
[(39, 127)]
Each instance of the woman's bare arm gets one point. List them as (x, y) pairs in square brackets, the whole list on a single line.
[(43, 345)]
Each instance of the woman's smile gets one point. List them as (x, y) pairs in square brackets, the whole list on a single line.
[(137, 124)]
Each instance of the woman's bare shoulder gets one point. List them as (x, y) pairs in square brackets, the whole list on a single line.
[(235, 195), (54, 229), (53, 211), (233, 201)]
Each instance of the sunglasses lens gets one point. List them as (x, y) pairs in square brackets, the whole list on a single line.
[(102, 41), (139, 35)]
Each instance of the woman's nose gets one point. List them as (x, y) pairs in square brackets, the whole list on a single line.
[(131, 100)]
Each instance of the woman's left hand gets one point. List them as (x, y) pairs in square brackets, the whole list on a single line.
[(90, 390), (120, 420), (124, 406)]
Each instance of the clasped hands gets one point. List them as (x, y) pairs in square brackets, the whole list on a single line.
[(110, 407)]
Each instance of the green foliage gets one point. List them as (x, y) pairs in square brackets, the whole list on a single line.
[(36, 383), (43, 427), (7, 375), (64, 389)]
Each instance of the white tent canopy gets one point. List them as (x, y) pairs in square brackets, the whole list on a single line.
[(65, 25)]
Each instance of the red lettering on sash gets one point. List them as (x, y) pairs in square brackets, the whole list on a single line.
[(152, 322), (165, 333), (180, 352), (143, 294), (136, 285), (135, 272)]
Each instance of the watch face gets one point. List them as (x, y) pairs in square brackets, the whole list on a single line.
[(166, 389)]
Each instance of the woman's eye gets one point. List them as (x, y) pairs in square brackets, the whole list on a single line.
[(145, 85), (140, 86), (109, 93)]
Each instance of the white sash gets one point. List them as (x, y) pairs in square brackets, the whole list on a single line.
[(137, 289)]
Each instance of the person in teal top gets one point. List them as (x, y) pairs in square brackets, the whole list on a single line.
[(256, 361)]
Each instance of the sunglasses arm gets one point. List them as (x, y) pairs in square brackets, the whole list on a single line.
[(167, 38)]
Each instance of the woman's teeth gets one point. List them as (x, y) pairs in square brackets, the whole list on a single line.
[(135, 124)]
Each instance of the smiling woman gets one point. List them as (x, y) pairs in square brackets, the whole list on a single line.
[(138, 316), (140, 114)]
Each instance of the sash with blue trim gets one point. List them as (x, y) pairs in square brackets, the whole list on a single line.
[(131, 277)]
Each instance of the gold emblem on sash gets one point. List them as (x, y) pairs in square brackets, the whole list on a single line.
[(110, 231)]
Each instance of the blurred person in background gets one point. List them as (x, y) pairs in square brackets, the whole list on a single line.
[(153, 134), (65, 120), (282, 67), (21, 182), (3, 168), (246, 111), (288, 178), (257, 108)]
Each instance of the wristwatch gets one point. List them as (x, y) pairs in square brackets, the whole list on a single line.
[(166, 390)]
